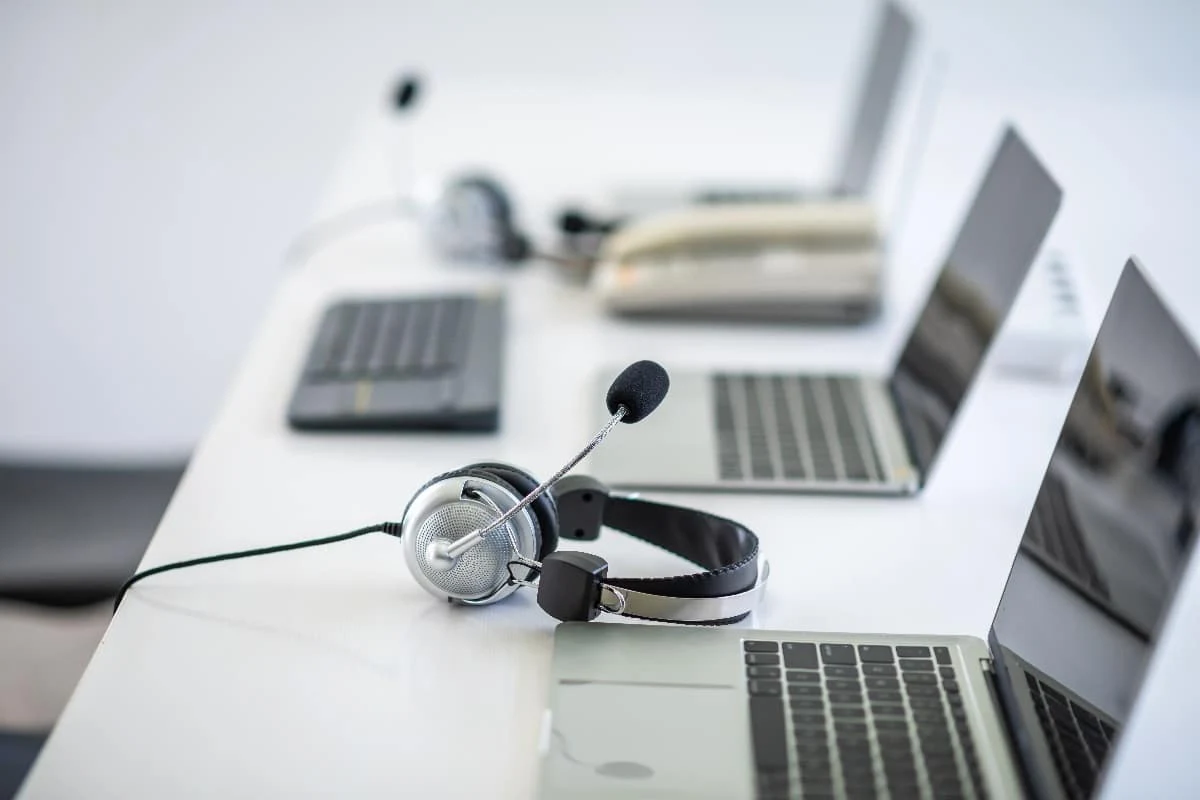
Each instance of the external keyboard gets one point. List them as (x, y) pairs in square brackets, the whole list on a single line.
[(405, 363), (793, 427), (866, 721)]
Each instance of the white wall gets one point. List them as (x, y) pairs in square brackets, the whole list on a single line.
[(157, 157)]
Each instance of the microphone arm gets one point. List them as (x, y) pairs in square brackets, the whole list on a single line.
[(457, 548)]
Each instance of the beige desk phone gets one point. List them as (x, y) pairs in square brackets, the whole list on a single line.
[(812, 261)]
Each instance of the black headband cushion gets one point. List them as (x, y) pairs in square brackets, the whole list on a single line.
[(544, 508)]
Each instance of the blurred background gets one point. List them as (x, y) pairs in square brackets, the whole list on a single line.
[(158, 158)]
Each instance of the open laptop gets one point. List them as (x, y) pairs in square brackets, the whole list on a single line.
[(665, 711), (887, 59), (856, 433), (1127, 447)]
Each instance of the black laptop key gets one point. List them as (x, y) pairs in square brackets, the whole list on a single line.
[(951, 687), (837, 685), (803, 676), (838, 654), (762, 672), (946, 672), (766, 688), (882, 683), (768, 728), (800, 655), (805, 690), (809, 734), (838, 671), (808, 720), (848, 712), (925, 702), (942, 655), (806, 703), (846, 698), (910, 651), (925, 678), (813, 750), (915, 690), (762, 659), (928, 714), (884, 695), (879, 670), (875, 654), (917, 665), (887, 709), (751, 646)]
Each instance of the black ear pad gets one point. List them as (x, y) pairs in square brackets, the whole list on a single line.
[(545, 510)]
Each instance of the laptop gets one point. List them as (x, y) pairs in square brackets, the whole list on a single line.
[(856, 433), (879, 87), (665, 711), (1126, 448)]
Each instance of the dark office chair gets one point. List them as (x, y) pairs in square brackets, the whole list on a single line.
[(69, 536)]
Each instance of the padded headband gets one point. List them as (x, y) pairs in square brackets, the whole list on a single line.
[(725, 592)]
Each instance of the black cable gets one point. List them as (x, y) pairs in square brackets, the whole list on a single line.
[(390, 528)]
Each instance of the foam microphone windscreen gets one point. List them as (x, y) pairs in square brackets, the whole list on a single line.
[(640, 388)]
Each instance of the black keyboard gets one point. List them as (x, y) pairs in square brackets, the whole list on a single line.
[(872, 721), (797, 427), (411, 363), (1052, 529), (1079, 739)]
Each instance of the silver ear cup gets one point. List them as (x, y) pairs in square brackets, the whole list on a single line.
[(452, 508)]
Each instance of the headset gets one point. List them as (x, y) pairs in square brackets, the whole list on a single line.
[(472, 219), (475, 535)]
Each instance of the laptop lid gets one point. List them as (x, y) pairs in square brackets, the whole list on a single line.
[(996, 244), (1127, 462), (877, 97)]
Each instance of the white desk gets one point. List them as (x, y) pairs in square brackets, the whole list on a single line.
[(329, 672)]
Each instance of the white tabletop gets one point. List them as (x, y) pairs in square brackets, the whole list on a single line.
[(330, 673)]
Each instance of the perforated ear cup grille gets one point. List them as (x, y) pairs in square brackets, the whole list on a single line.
[(543, 508), (477, 572)]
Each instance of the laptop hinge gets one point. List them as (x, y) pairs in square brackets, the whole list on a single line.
[(992, 677)]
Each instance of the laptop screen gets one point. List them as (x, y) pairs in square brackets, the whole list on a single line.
[(998, 240), (875, 102), (1108, 538)]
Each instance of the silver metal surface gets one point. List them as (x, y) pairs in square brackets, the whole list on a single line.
[(884, 423), (453, 508), (677, 450), (672, 699), (688, 609)]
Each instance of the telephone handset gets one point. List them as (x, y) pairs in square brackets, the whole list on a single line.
[(810, 261)]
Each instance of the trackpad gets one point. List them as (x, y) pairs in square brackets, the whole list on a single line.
[(647, 741)]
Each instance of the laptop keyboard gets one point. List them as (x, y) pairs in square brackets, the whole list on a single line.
[(872, 721), (375, 340), (793, 427), (1052, 527), (1079, 739)]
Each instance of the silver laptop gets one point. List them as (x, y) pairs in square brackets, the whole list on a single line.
[(656, 711), (868, 125), (856, 433)]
